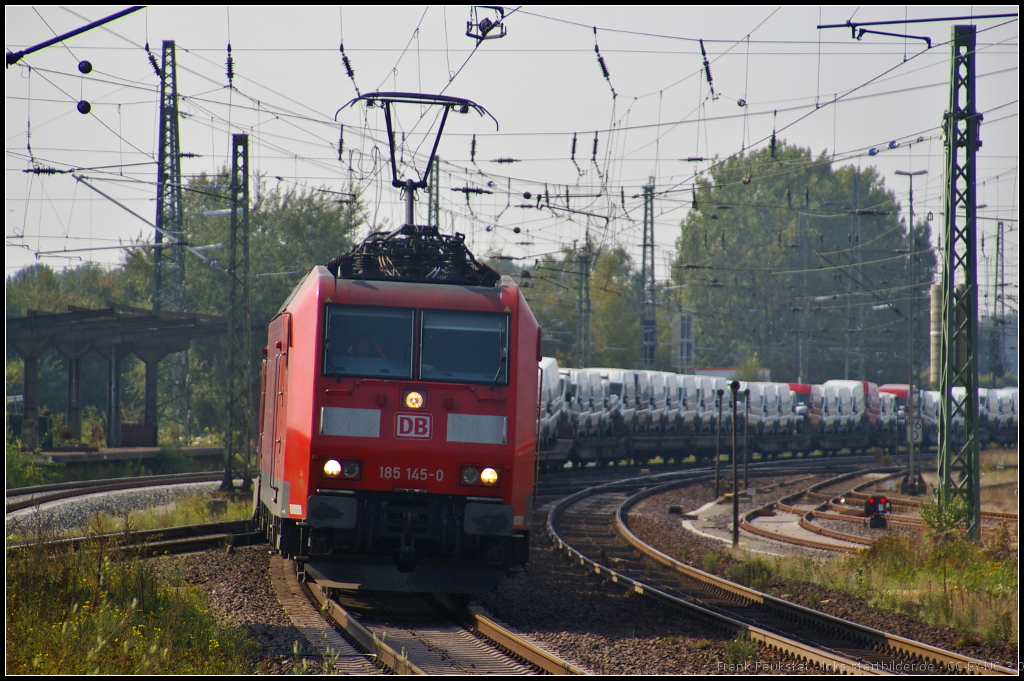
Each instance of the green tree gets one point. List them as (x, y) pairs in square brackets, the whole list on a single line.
[(554, 297), (292, 229), (743, 264)]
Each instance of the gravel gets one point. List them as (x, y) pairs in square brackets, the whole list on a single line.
[(610, 630), (240, 593)]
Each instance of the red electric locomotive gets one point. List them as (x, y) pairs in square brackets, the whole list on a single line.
[(398, 429)]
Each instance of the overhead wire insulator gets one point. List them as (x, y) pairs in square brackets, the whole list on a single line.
[(604, 67), (572, 156), (152, 61), (593, 155), (707, 70), (472, 150), (341, 141), (505, 159), (231, 68), (348, 68)]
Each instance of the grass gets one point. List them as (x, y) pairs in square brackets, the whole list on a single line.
[(90, 611), (942, 578), (192, 509)]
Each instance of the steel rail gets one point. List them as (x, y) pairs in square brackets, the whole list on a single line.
[(511, 642), (156, 542), (879, 639), (386, 655)]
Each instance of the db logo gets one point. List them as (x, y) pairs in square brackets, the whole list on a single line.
[(413, 425)]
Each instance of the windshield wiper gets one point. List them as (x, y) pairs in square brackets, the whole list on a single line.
[(330, 361)]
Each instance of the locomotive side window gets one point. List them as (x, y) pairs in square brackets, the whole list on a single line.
[(465, 347), (368, 341)]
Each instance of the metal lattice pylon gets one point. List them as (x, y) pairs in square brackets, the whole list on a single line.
[(648, 319), (169, 261), (959, 447), (238, 437)]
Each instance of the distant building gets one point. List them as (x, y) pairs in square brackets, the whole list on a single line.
[(763, 374)]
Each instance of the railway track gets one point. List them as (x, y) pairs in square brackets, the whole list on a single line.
[(834, 507), (27, 497), (590, 527), (413, 634)]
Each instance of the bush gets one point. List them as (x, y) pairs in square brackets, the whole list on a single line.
[(172, 460), (24, 472), (752, 572), (943, 514)]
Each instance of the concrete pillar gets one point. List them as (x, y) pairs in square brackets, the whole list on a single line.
[(152, 380), (74, 412), (30, 421), (151, 358), (114, 356), (74, 352)]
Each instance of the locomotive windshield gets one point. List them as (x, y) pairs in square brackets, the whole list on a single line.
[(464, 347), (368, 341)]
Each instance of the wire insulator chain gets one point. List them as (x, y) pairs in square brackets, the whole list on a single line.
[(231, 68), (348, 69), (472, 150), (152, 61), (707, 70), (604, 67)]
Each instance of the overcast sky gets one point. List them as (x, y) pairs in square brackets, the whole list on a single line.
[(542, 82)]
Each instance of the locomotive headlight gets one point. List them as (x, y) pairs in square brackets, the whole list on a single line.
[(414, 400), (489, 476), (470, 475), (332, 468), (352, 469)]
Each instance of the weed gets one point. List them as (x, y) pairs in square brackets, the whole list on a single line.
[(94, 610), (1000, 630), (712, 559), (752, 572), (703, 644), (814, 600), (739, 649), (670, 641)]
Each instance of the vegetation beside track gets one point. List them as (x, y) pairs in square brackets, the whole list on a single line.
[(24, 471), (940, 578), (98, 611), (190, 509)]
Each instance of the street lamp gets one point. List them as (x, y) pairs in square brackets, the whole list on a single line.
[(911, 485)]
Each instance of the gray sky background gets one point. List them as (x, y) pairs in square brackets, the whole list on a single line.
[(542, 82)]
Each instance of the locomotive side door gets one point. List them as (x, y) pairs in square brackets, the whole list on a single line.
[(275, 410)]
